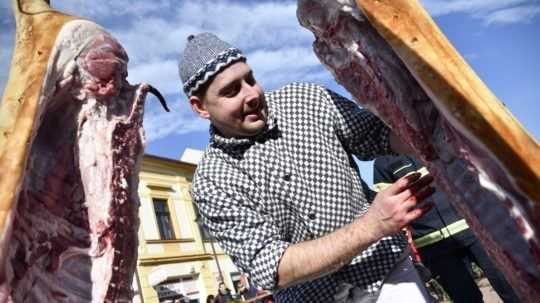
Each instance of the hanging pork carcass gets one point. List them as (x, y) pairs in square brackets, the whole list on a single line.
[(71, 140), (393, 59)]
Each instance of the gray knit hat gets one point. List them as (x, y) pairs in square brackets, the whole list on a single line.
[(204, 56)]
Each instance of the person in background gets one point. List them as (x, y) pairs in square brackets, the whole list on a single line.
[(224, 294), (246, 290), (277, 186), (443, 239), (210, 299)]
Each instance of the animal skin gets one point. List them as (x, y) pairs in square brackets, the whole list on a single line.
[(393, 59), (71, 140)]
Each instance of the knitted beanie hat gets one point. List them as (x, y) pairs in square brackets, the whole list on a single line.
[(204, 56)]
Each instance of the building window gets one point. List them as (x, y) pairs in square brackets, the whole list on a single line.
[(183, 290), (163, 217)]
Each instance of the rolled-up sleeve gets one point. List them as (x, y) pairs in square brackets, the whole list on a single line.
[(360, 131), (251, 240)]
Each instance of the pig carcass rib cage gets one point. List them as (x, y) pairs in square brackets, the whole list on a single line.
[(69, 160), (502, 215)]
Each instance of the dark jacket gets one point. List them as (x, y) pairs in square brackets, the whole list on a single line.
[(223, 298)]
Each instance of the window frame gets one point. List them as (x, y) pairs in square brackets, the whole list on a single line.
[(168, 213)]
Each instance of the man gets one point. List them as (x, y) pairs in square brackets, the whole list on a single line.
[(224, 294), (445, 243), (278, 188)]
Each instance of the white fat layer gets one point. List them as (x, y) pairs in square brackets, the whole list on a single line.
[(349, 6), (123, 183), (501, 194), (354, 49), (70, 42), (528, 233), (484, 180), (94, 148)]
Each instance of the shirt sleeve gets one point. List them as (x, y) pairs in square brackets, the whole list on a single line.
[(253, 242), (361, 132), (382, 177)]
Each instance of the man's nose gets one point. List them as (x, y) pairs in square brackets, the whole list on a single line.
[(251, 94)]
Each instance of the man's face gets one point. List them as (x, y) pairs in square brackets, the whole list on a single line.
[(234, 102)]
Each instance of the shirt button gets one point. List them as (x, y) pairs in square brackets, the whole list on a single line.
[(312, 216), (287, 177)]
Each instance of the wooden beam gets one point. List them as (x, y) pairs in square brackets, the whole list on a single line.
[(456, 90)]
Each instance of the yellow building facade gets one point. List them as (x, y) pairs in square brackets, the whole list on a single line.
[(175, 255)]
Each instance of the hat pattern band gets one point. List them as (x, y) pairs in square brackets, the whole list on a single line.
[(222, 60)]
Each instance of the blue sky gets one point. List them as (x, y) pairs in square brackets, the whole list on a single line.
[(499, 38)]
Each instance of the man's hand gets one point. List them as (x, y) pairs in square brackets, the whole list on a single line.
[(396, 206), (392, 209)]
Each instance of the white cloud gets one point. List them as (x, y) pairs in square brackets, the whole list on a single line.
[(513, 15), (5, 59), (104, 10), (181, 120), (273, 60), (471, 56), (6, 17), (153, 39), (277, 67), (489, 11), (250, 26), (162, 74), (444, 7), (257, 24)]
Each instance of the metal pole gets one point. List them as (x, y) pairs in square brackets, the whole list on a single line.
[(203, 231), (139, 283), (217, 262)]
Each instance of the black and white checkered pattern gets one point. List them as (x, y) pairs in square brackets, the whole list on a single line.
[(295, 182)]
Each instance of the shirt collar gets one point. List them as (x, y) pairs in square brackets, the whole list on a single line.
[(217, 140)]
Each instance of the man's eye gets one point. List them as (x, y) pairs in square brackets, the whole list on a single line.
[(251, 80), (232, 91)]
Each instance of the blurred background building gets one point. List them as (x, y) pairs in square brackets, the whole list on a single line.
[(177, 257)]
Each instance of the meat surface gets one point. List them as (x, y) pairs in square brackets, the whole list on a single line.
[(502, 214), (69, 232)]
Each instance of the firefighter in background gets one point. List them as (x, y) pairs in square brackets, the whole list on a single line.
[(443, 239)]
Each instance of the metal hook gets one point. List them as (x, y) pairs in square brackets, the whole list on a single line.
[(158, 95)]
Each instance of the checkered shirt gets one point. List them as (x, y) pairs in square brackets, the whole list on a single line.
[(296, 181)]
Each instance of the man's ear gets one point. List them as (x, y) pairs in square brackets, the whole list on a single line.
[(197, 105)]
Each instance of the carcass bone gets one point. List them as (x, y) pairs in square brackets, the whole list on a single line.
[(71, 141), (394, 60)]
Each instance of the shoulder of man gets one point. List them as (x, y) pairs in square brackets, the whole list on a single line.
[(296, 87), (208, 158), (301, 93), (212, 166)]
